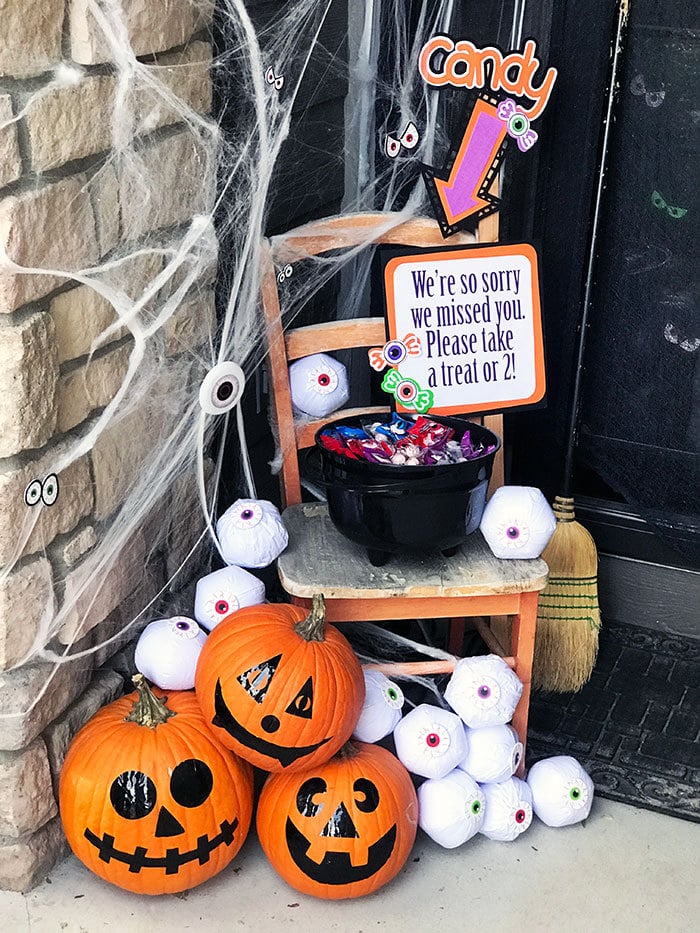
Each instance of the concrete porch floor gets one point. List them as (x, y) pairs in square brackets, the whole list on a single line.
[(624, 870)]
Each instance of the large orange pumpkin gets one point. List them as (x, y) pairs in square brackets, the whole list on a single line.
[(342, 829), (149, 800), (279, 686)]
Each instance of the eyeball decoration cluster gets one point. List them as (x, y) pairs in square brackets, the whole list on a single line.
[(318, 384), (517, 522)]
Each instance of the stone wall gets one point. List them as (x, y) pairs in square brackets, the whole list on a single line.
[(69, 200)]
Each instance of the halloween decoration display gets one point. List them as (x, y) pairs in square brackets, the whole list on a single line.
[(451, 809), (279, 686), (483, 691), (319, 385), (222, 592), (517, 522), (562, 792), (493, 753), (251, 533), (508, 809), (381, 710), (149, 800), (340, 829), (430, 741), (168, 650)]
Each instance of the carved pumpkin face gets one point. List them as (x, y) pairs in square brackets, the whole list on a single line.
[(154, 809), (282, 690), (342, 829)]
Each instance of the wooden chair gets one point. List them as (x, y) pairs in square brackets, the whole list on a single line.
[(471, 584)]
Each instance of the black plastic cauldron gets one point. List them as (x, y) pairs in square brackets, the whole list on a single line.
[(389, 508)]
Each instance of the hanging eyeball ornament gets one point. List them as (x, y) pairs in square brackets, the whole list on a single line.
[(493, 753), (508, 809), (167, 652), (483, 691), (381, 710), (451, 809), (222, 388), (251, 533), (430, 741), (562, 792), (220, 593), (319, 385), (518, 522)]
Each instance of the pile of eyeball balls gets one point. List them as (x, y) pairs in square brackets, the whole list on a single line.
[(469, 754)]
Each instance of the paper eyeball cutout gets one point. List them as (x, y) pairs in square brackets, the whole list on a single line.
[(517, 522), (222, 388), (451, 809), (430, 741), (251, 533), (562, 792), (508, 809), (483, 691), (168, 650), (493, 753), (381, 710), (319, 385), (220, 593), (45, 491)]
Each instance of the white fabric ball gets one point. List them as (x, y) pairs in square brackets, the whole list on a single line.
[(319, 385), (484, 691), (168, 650), (562, 792), (251, 533), (508, 809), (451, 809), (518, 522), (224, 591), (381, 710), (430, 741), (493, 753)]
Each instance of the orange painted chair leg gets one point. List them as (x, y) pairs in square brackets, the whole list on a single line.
[(455, 640), (523, 649)]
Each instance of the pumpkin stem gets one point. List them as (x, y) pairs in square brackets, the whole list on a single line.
[(148, 710), (347, 751), (313, 627)]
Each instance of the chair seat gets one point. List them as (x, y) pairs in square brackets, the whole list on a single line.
[(320, 559)]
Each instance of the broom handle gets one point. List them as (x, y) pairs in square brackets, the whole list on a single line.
[(612, 89)]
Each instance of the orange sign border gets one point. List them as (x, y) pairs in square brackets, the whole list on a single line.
[(512, 249)]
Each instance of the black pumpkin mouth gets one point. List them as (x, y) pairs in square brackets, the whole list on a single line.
[(173, 858), (336, 867), (282, 753)]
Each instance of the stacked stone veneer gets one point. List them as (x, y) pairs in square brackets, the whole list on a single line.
[(68, 202)]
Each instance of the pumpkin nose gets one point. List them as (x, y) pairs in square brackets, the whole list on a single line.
[(167, 825), (341, 825), (270, 723)]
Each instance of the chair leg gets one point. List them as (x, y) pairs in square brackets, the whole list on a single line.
[(455, 638), (523, 648)]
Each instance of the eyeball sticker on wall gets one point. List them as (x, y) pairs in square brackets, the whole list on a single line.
[(407, 140), (222, 388), (251, 533), (517, 124), (45, 491), (394, 352), (518, 522), (652, 99), (225, 591), (274, 80), (562, 791), (660, 204), (430, 741), (285, 273), (451, 809), (318, 384), (483, 691), (407, 391), (508, 809)]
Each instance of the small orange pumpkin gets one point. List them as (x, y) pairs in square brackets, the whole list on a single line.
[(342, 829), (149, 800), (280, 687)]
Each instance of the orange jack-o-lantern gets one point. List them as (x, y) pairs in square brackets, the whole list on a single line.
[(149, 800), (342, 829), (280, 687)]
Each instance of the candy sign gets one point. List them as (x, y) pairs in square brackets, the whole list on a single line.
[(476, 315)]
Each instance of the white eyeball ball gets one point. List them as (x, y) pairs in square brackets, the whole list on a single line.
[(508, 809), (319, 385), (251, 533), (493, 753), (562, 792), (518, 522), (430, 741), (381, 710), (224, 591), (484, 691), (168, 650), (451, 809)]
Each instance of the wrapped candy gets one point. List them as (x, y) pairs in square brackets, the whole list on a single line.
[(168, 650), (222, 592), (318, 384), (562, 792), (508, 809), (484, 691), (430, 741), (517, 522), (251, 533), (451, 809), (381, 710), (493, 753)]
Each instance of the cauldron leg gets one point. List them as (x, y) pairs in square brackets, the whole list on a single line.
[(378, 558), (450, 551)]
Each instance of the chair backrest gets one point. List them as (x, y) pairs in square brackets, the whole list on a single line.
[(334, 233)]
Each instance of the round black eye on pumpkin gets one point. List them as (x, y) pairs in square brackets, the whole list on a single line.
[(191, 783), (370, 795), (133, 795), (306, 805)]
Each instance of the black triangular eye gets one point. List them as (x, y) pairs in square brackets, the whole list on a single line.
[(303, 703), (370, 795), (133, 795), (191, 782), (256, 680)]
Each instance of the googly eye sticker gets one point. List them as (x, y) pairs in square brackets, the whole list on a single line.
[(274, 80), (393, 695), (222, 388), (323, 379), (394, 352), (285, 273), (183, 627), (248, 515), (407, 140), (45, 491), (32, 494)]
